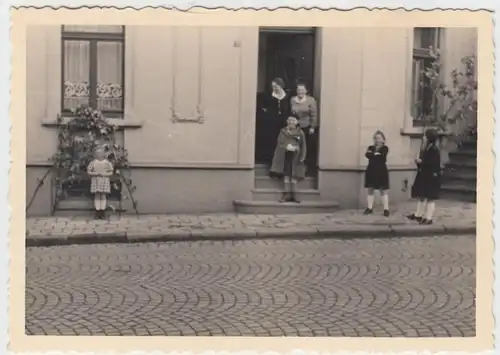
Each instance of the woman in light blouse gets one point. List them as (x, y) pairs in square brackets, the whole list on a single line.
[(305, 108)]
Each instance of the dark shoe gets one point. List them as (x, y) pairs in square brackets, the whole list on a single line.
[(386, 213), (293, 198), (368, 211), (97, 214), (426, 221), (412, 217), (285, 198)]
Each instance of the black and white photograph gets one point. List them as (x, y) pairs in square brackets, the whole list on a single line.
[(253, 181)]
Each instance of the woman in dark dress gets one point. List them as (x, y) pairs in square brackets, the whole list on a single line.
[(275, 110), (377, 174), (428, 179)]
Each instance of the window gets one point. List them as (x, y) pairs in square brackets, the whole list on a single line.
[(93, 68), (422, 96)]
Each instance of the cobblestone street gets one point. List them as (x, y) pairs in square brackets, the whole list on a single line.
[(358, 287)]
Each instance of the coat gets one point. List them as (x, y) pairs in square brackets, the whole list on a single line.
[(283, 161), (377, 174), (427, 182)]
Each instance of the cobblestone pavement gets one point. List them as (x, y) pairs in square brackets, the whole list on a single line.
[(416, 287), (450, 213)]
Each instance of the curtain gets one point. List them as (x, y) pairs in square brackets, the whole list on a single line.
[(76, 74), (109, 76)]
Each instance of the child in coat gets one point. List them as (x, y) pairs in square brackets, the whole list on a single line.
[(100, 169), (289, 156), (427, 182), (377, 174)]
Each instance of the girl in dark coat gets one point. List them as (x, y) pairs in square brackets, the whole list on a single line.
[(289, 156), (428, 179), (275, 109), (377, 174)]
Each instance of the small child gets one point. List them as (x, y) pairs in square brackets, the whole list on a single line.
[(100, 169), (428, 179), (289, 156), (377, 174)]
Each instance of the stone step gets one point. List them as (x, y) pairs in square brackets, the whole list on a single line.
[(265, 182), (461, 166), (261, 170), (463, 157), (82, 207), (459, 191), (273, 207), (463, 177), (276, 194), (469, 144)]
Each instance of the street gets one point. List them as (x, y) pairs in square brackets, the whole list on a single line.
[(412, 286)]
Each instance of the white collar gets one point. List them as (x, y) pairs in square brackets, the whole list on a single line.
[(280, 96), (298, 100)]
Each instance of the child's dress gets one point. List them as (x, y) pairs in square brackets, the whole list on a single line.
[(427, 183), (100, 184), (377, 174)]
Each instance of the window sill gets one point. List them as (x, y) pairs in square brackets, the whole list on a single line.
[(118, 122), (417, 132)]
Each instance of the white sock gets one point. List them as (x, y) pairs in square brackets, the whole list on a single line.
[(370, 199), (419, 211), (431, 207), (97, 203), (103, 203), (385, 201)]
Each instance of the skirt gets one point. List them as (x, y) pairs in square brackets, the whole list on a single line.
[(100, 184), (377, 178), (426, 186)]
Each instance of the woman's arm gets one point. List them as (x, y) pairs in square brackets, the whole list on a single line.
[(303, 146), (384, 151), (313, 112)]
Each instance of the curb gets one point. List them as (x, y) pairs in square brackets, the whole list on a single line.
[(340, 232)]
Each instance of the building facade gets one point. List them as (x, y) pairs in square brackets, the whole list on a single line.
[(185, 99)]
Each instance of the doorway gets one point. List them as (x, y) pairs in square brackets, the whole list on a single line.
[(287, 53)]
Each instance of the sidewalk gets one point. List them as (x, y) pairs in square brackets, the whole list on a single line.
[(451, 218)]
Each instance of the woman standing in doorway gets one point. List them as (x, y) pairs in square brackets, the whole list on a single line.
[(276, 109), (305, 108)]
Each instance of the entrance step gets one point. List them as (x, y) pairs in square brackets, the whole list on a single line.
[(81, 207), (274, 207), (265, 182), (276, 194)]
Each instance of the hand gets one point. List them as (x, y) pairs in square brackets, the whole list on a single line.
[(418, 160), (376, 153), (290, 148), (311, 130)]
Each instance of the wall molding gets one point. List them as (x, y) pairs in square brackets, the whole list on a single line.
[(118, 122), (199, 116), (362, 168)]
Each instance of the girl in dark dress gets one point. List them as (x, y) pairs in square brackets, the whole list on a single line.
[(428, 179), (376, 174), (289, 156), (276, 109)]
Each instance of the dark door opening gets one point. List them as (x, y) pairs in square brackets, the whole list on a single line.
[(287, 53)]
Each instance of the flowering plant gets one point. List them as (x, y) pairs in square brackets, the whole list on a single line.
[(78, 137)]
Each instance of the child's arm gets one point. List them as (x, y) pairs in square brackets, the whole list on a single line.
[(281, 140), (384, 151), (369, 153), (109, 171), (90, 169)]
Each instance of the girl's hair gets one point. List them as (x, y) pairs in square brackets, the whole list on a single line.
[(278, 81), (431, 135), (379, 133), (293, 116)]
